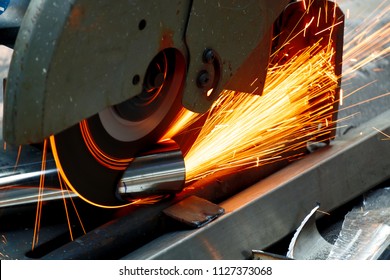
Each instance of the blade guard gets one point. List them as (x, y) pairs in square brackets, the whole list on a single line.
[(74, 58)]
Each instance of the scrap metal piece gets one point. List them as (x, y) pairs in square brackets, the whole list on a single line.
[(194, 211), (307, 243), (365, 233)]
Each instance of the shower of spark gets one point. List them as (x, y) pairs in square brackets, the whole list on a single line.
[(244, 130)]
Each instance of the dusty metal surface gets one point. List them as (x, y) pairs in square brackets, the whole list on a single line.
[(262, 214)]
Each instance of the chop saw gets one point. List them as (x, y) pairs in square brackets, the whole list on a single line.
[(104, 81)]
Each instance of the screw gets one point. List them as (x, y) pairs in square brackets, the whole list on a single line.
[(208, 56), (203, 79)]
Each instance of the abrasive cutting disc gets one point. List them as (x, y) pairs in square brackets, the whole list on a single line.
[(93, 154)]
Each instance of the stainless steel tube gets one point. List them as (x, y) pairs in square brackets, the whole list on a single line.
[(159, 171)]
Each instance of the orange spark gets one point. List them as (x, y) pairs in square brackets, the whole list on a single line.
[(65, 189), (183, 120), (75, 209), (307, 26), (38, 215), (328, 28), (66, 208), (366, 101), (381, 132), (18, 157), (100, 156), (245, 130), (319, 17)]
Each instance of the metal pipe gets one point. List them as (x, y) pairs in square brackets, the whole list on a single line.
[(17, 196), (159, 171), (28, 174)]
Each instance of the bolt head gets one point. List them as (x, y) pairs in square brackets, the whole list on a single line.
[(208, 56), (203, 79)]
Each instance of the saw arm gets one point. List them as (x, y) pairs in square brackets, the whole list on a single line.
[(73, 59)]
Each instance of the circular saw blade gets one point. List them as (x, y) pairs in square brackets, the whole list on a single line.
[(92, 155), (82, 173)]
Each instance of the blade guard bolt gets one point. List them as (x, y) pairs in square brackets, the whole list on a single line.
[(208, 56), (203, 79)]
